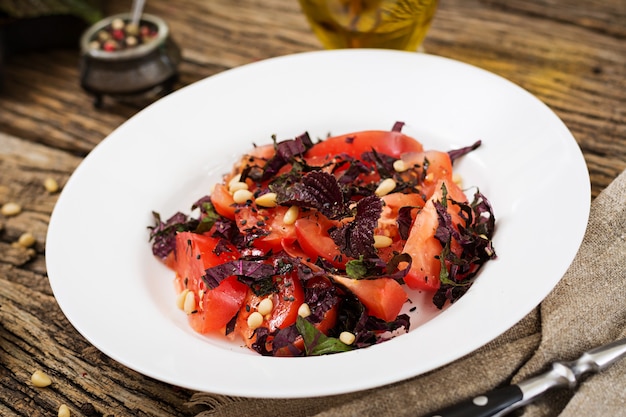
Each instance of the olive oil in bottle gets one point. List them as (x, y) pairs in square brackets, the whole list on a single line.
[(391, 24)]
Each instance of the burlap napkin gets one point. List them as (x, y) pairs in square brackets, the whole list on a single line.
[(587, 308)]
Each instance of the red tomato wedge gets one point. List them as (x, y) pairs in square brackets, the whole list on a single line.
[(422, 245), (383, 297), (268, 223), (223, 201), (213, 308), (388, 221), (170, 260), (312, 234), (285, 303), (355, 144), (438, 167), (218, 306)]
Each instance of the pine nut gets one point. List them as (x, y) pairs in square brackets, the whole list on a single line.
[(385, 187), (265, 306), (64, 411), (266, 200), (189, 304), (400, 166), (26, 240), (304, 310), (51, 185), (180, 300), (381, 241), (242, 196), (40, 379), (11, 209), (237, 186), (236, 178), (291, 215), (347, 337), (255, 320)]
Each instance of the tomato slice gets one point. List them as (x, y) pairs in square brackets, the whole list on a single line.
[(269, 225), (355, 144), (313, 238), (383, 297), (170, 260), (214, 308), (286, 302), (256, 157), (218, 306), (422, 245), (223, 201), (388, 221), (438, 167)]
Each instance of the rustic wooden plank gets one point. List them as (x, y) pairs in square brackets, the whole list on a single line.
[(599, 15), (37, 336), (25, 167)]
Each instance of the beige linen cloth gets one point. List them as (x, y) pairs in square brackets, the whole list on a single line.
[(587, 308)]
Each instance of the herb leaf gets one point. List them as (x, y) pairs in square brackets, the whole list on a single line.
[(317, 343), (356, 238), (457, 153), (318, 190), (458, 271), (208, 215), (241, 267), (163, 234), (286, 151)]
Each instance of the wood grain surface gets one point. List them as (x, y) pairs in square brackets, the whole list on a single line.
[(571, 54)]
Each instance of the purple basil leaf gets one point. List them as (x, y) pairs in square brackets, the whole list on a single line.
[(201, 204), (355, 169), (286, 151), (227, 229), (404, 221), (272, 166), (483, 212), (318, 190), (448, 293), (397, 127), (320, 295), (356, 238), (241, 268), (457, 153), (392, 271), (285, 338), (221, 247), (474, 237), (445, 230), (163, 234), (262, 334)]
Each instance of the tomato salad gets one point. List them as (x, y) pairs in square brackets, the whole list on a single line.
[(308, 248)]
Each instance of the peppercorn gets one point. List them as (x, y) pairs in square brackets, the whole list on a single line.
[(120, 35)]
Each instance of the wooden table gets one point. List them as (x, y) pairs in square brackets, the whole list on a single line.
[(571, 54)]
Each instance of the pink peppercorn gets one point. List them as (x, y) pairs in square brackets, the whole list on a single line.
[(123, 35)]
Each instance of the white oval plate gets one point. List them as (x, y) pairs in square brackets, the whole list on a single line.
[(122, 300)]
